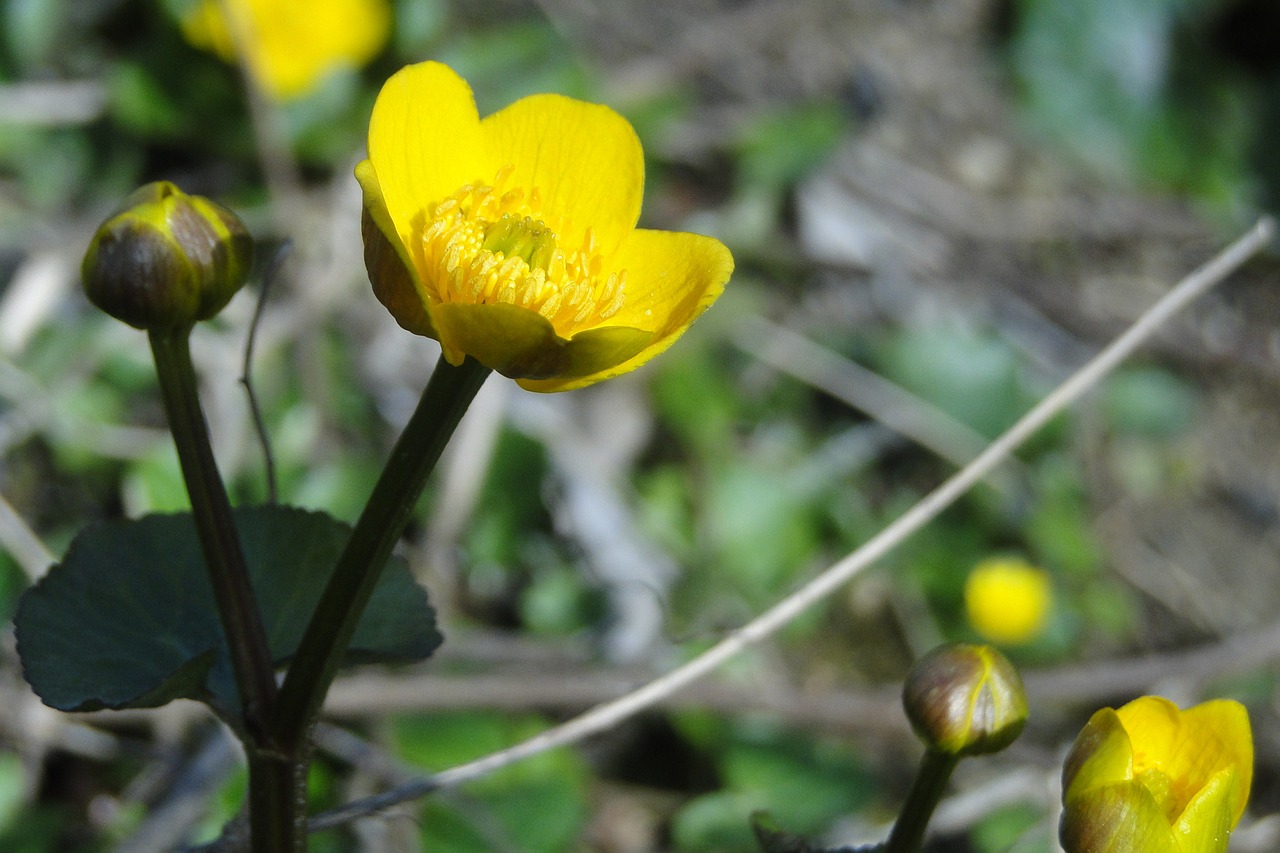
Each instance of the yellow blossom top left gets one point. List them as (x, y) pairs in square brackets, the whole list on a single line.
[(290, 46)]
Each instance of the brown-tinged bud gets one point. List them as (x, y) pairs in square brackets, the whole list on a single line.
[(166, 259), (965, 699)]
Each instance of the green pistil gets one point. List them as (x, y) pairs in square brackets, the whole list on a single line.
[(525, 238)]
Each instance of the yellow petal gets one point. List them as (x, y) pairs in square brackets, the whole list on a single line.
[(1100, 756), (425, 142), (512, 340), (291, 45), (1152, 722), (391, 271), (521, 344), (1224, 724), (1205, 826), (1117, 818), (584, 159), (591, 356), (672, 277), (1192, 746), (300, 42)]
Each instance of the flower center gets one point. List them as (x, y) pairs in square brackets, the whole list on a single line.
[(487, 244)]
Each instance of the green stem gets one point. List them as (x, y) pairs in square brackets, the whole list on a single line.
[(931, 780), (273, 805), (380, 526), (215, 526)]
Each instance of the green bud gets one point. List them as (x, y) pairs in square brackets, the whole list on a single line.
[(965, 699), (166, 259)]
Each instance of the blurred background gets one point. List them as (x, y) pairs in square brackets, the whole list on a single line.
[(938, 208)]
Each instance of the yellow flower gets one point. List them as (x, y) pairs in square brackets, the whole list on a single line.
[(291, 45), (1008, 600), (512, 239), (1155, 779)]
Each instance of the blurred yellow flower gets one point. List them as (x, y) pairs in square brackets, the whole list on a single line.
[(291, 45), (1008, 600), (512, 239), (1155, 779)]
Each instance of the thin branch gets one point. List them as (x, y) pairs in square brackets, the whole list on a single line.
[(246, 374), (1103, 681), (21, 541), (872, 711), (187, 799), (768, 623), (362, 755), (864, 390), (65, 103)]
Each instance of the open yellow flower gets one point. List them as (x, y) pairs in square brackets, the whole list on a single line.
[(291, 45), (1152, 778), (1008, 600), (512, 239)]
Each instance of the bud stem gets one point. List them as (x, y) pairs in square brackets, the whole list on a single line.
[(926, 791), (380, 526), (272, 775), (211, 508)]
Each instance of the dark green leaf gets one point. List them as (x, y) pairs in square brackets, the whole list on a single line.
[(127, 619)]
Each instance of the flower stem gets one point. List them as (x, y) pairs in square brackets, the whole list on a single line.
[(211, 508), (380, 526), (931, 780), (273, 806)]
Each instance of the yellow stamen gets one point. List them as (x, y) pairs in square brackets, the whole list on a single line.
[(491, 243)]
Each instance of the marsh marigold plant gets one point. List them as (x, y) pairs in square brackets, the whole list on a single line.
[(512, 239), (1152, 778), (290, 46)]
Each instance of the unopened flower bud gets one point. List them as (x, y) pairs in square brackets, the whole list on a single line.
[(965, 699), (166, 259)]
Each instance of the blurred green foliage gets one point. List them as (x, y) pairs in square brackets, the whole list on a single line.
[(806, 785), (1174, 94), (1015, 829), (537, 805)]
